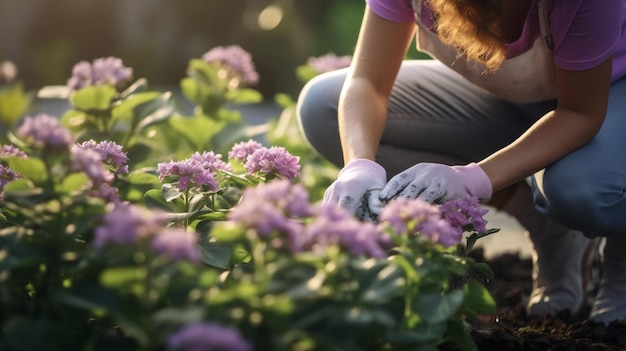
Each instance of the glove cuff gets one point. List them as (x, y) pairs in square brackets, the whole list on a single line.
[(481, 187), (362, 164)]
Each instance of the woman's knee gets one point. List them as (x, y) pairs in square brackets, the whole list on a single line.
[(316, 111), (582, 200)]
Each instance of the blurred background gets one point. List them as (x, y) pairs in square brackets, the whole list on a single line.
[(157, 38)]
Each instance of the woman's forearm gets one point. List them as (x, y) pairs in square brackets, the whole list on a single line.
[(555, 135), (362, 117)]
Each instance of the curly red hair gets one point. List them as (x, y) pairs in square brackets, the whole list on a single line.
[(473, 28)]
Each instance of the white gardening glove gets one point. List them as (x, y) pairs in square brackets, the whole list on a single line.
[(357, 179), (436, 183)]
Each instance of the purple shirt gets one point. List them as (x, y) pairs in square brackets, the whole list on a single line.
[(571, 23)]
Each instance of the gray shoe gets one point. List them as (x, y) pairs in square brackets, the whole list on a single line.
[(610, 304), (559, 264)]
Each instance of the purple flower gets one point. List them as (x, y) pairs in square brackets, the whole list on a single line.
[(333, 225), (103, 71), (242, 150), (417, 217), (273, 162), (12, 151), (211, 161), (465, 214), (126, 224), (176, 244), (7, 175), (8, 72), (237, 63), (45, 132), (207, 337), (329, 62), (90, 162), (190, 172), (106, 192), (110, 153), (273, 208)]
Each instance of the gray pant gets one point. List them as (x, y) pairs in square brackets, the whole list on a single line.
[(435, 115)]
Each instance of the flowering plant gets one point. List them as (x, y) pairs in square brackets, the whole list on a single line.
[(101, 251)]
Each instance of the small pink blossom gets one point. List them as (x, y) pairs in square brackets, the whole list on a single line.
[(176, 244), (45, 132), (207, 337), (417, 217), (273, 162), (103, 71), (242, 150), (329, 62), (236, 62)]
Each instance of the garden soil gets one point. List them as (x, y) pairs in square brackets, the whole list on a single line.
[(511, 329)]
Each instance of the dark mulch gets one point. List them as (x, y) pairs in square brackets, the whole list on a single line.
[(511, 329)]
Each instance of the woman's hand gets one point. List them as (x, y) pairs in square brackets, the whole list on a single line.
[(436, 183), (355, 180)]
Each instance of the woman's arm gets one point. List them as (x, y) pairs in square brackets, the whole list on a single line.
[(380, 49), (582, 102)]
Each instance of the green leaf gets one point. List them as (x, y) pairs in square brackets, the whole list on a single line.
[(30, 168), (457, 333), (284, 100), (54, 92), (227, 233), (244, 96), (119, 277), (387, 285), (305, 73), (197, 130), (433, 307), (233, 133), (478, 300), (139, 86), (154, 112), (138, 152), (125, 110), (171, 192), (14, 102), (97, 98), (74, 182), (195, 91), (484, 268), (216, 254), (140, 177), (154, 199)]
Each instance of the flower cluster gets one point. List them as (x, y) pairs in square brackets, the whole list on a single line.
[(329, 62), (103, 71), (274, 162), (207, 337), (333, 225), (12, 151), (8, 72), (272, 208), (198, 170), (242, 150), (7, 175), (127, 224), (97, 161), (90, 162), (110, 153), (45, 132), (277, 209), (465, 213), (236, 64), (413, 216)]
